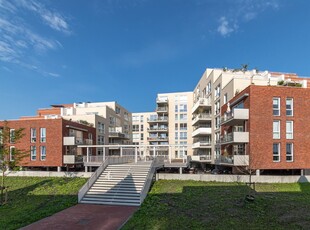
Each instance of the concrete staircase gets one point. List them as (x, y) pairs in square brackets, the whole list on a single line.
[(119, 184)]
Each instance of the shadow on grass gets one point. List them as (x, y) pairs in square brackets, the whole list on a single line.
[(176, 205), (33, 202)]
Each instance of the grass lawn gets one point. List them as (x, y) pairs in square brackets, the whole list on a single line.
[(210, 205), (33, 198)]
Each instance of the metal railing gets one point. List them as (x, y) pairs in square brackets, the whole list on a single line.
[(93, 159), (159, 160)]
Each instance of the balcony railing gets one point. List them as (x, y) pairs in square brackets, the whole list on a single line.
[(201, 144), (236, 160), (202, 102), (158, 119), (162, 109), (157, 129), (235, 137), (118, 135), (202, 131), (72, 159), (157, 138), (76, 141), (161, 100), (234, 117), (201, 117), (202, 158)]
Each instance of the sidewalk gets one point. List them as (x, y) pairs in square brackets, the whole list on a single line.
[(86, 216)]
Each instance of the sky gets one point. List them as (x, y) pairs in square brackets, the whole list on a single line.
[(60, 52)]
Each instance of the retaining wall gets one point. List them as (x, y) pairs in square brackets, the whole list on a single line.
[(49, 174), (233, 178)]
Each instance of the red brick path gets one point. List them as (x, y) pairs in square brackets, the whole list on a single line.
[(86, 216)]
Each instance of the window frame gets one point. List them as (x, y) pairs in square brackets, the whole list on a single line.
[(43, 137), (292, 152), (278, 132), (33, 153), (276, 109), (43, 153), (279, 152), (11, 153), (292, 107), (290, 132)]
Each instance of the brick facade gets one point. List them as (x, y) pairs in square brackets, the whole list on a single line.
[(56, 129), (260, 126)]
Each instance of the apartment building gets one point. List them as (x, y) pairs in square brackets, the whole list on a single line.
[(215, 88), (111, 120), (168, 125), (264, 128), (51, 143)]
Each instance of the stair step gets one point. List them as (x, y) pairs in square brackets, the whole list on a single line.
[(110, 203), (103, 190), (113, 194), (112, 200), (117, 186), (107, 197), (119, 182)]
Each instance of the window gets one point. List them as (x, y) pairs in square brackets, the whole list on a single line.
[(176, 135), (276, 129), (142, 137), (136, 136), (183, 135), (100, 140), (176, 126), (176, 117), (183, 107), (225, 98), (117, 110), (289, 106), (183, 126), (12, 136), (276, 106), (176, 108), (135, 118), (141, 118), (135, 128), (289, 152), (100, 127), (276, 152), (43, 153), (141, 128), (12, 152), (43, 135), (33, 153), (183, 117), (33, 135), (289, 129)]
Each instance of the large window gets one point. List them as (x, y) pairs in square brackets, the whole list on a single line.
[(276, 152), (43, 153), (141, 128), (135, 128), (33, 153), (33, 135), (276, 129), (43, 135), (12, 136), (289, 129), (183, 135), (176, 135), (12, 152), (183, 107), (289, 152), (276, 106), (100, 127), (289, 106), (183, 126), (183, 117)]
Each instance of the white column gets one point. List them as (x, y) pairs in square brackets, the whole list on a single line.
[(87, 154), (136, 154), (257, 172), (58, 169), (154, 151), (103, 154), (170, 153), (86, 169), (180, 170), (302, 172), (121, 151), (183, 149)]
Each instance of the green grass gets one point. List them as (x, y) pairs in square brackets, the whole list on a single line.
[(210, 205), (33, 198)]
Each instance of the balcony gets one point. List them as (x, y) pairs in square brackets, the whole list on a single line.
[(201, 144), (157, 138), (202, 158), (201, 131), (235, 117), (162, 100), (233, 160), (202, 117), (157, 120), (119, 135), (163, 109), (235, 137), (157, 129), (72, 159), (201, 103), (76, 141)]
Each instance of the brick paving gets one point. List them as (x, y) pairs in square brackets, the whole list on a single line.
[(86, 216)]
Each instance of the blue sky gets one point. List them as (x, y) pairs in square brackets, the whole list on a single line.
[(55, 51)]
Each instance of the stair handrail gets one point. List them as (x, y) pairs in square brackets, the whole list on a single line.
[(92, 179), (159, 160)]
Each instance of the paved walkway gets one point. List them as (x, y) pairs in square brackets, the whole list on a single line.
[(86, 216)]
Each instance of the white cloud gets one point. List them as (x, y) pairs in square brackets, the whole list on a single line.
[(50, 17), (224, 28), (242, 11)]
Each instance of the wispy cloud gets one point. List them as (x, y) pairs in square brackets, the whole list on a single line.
[(242, 11), (52, 18), (18, 39)]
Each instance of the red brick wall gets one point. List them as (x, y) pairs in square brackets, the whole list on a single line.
[(55, 131), (261, 127)]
